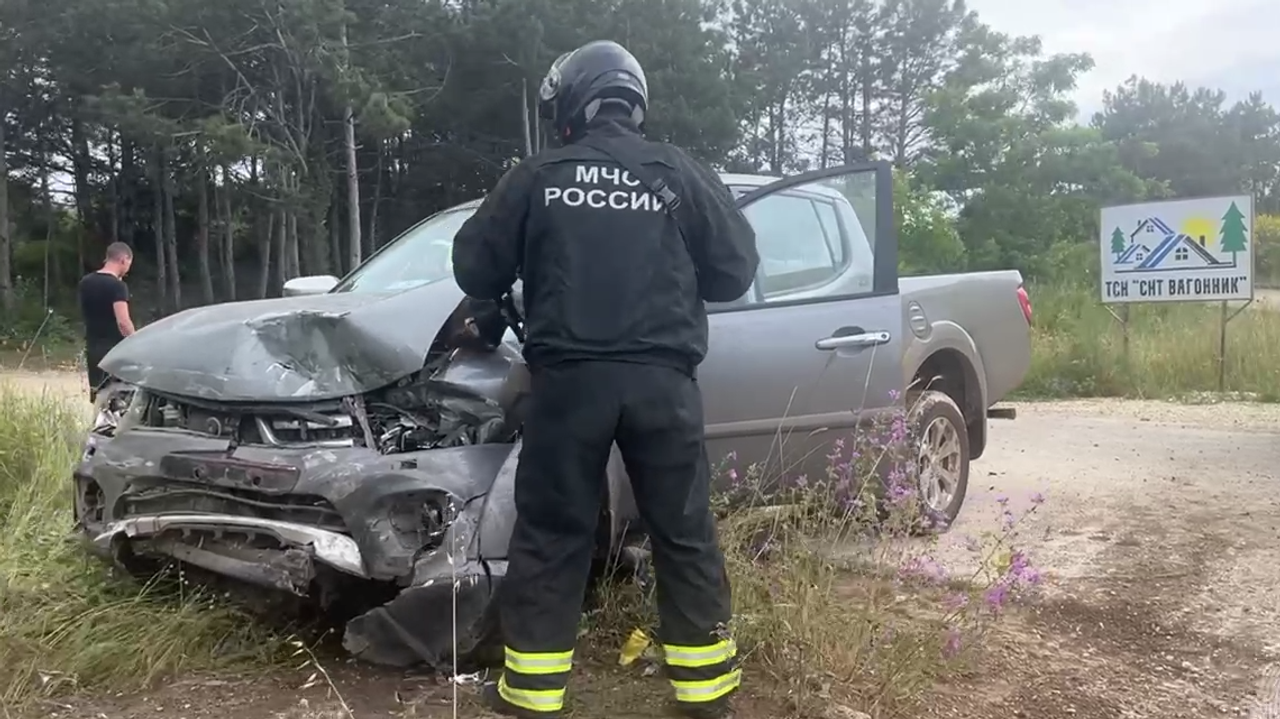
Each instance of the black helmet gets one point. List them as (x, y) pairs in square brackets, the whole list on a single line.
[(598, 71)]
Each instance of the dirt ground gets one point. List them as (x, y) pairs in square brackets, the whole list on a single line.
[(1160, 534)]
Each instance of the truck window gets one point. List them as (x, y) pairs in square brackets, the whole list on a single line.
[(807, 239), (795, 251)]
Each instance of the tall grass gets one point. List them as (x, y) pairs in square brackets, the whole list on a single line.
[(1078, 348), (65, 622)]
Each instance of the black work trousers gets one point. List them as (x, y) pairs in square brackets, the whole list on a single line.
[(577, 412)]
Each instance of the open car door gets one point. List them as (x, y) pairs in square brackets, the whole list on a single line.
[(814, 346)]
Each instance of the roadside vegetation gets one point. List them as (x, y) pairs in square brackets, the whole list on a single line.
[(1078, 348), (839, 605), (828, 611), (65, 622)]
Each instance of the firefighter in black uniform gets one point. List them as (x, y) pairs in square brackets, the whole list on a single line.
[(614, 281)]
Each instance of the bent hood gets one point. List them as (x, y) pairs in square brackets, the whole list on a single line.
[(289, 349)]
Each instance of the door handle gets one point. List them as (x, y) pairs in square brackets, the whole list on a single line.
[(865, 339)]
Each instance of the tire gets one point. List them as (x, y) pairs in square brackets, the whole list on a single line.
[(943, 455)]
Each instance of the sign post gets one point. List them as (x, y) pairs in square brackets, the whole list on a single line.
[(1192, 250)]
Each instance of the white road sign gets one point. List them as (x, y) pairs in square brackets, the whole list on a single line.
[(1197, 250)]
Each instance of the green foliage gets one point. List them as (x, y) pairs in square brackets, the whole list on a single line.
[(1078, 348), (65, 625), (202, 124), (1266, 248), (928, 242)]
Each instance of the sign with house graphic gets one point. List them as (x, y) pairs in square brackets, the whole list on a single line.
[(1197, 250)]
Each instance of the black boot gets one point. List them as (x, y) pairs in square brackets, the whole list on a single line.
[(494, 702), (718, 709)]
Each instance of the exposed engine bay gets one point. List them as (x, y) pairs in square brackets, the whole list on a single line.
[(467, 393)]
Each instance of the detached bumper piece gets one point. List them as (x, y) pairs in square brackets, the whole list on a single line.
[(446, 616)]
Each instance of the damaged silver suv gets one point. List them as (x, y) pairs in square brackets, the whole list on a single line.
[(354, 444)]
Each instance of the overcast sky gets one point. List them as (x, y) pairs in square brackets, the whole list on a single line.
[(1228, 44)]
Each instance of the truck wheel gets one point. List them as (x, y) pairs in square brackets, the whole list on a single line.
[(943, 458)]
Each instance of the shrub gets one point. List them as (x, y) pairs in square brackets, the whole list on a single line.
[(1266, 250)]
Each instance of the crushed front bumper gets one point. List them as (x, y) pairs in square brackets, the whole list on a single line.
[(290, 568), (447, 611)]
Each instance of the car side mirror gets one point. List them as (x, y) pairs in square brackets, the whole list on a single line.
[(310, 285)]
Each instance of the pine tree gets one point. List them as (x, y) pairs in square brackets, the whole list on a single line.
[(1234, 232), (1118, 242)]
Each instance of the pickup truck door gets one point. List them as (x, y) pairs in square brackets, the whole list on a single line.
[(815, 345)]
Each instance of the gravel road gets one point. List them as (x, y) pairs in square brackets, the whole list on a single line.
[(1160, 535)]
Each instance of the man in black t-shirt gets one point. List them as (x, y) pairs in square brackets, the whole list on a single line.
[(104, 307)]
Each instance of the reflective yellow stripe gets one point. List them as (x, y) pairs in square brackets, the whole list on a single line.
[(709, 690), (539, 662), (695, 657), (542, 700)]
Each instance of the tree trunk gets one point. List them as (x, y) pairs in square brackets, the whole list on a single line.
[(113, 192), (202, 233), (157, 225), (282, 250), (127, 187), (84, 203), (353, 181), (867, 109), (524, 117), (228, 239), (292, 253), (171, 236), (6, 240), (264, 256), (371, 238), (826, 131), (335, 236), (49, 221)]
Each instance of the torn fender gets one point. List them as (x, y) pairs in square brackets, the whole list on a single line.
[(305, 348), (447, 612)]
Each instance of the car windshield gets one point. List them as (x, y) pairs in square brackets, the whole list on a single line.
[(419, 257)]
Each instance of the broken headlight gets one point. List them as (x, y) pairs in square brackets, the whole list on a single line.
[(419, 520)]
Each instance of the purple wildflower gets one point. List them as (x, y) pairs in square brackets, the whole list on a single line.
[(1007, 520), (951, 645), (996, 596), (1020, 570), (1037, 498), (924, 568), (899, 494), (898, 431)]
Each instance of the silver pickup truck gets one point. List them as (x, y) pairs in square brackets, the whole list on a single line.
[(346, 444)]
